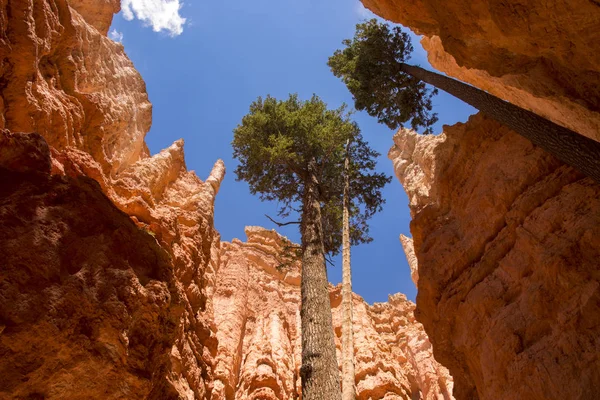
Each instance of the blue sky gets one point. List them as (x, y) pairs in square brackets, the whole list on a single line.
[(205, 62)]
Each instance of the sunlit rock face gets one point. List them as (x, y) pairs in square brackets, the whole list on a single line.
[(507, 243), (140, 295), (540, 55), (257, 313), (63, 78)]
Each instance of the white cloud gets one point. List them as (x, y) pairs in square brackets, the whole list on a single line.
[(161, 15), (363, 12), (116, 35)]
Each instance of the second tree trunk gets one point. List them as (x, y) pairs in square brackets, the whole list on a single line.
[(568, 146), (348, 390)]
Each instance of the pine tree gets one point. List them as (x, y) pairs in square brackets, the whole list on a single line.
[(293, 152), (372, 65)]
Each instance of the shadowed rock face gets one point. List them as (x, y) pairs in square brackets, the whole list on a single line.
[(257, 312), (543, 56), (64, 79), (81, 314), (507, 243)]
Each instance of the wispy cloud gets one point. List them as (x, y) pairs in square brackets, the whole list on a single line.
[(161, 15), (362, 11), (116, 35)]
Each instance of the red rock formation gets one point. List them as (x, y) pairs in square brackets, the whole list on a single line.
[(81, 314), (505, 235), (67, 81), (507, 244), (409, 250), (541, 55), (256, 309), (64, 79)]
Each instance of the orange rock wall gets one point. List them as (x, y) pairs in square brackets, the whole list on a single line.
[(67, 81), (257, 312), (81, 315), (507, 245), (504, 236), (540, 55), (64, 79)]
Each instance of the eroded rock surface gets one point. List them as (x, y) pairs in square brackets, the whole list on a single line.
[(507, 243), (257, 312), (81, 314), (540, 55), (65, 80)]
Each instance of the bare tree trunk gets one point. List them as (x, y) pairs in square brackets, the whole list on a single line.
[(319, 372), (348, 389), (570, 147)]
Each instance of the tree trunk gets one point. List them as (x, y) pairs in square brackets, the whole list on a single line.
[(348, 390), (572, 148), (319, 372)]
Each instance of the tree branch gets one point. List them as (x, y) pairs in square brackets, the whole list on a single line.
[(280, 224), (327, 259)]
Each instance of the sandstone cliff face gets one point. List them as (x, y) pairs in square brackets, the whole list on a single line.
[(80, 313), (507, 243), (257, 313), (541, 55), (64, 79), (505, 236)]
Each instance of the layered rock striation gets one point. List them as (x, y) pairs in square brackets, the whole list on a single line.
[(540, 55), (256, 305), (507, 249)]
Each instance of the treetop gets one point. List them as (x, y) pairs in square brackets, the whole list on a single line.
[(370, 65), (276, 141)]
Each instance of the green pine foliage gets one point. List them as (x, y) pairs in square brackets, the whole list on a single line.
[(371, 67), (276, 141)]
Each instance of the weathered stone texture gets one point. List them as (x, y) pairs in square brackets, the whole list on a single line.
[(257, 312), (507, 244), (82, 315), (64, 79)]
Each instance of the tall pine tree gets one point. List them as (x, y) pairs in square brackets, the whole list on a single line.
[(293, 152), (373, 67)]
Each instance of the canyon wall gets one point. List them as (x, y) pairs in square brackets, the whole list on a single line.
[(507, 245), (106, 282), (256, 305), (540, 55), (505, 237), (81, 315)]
